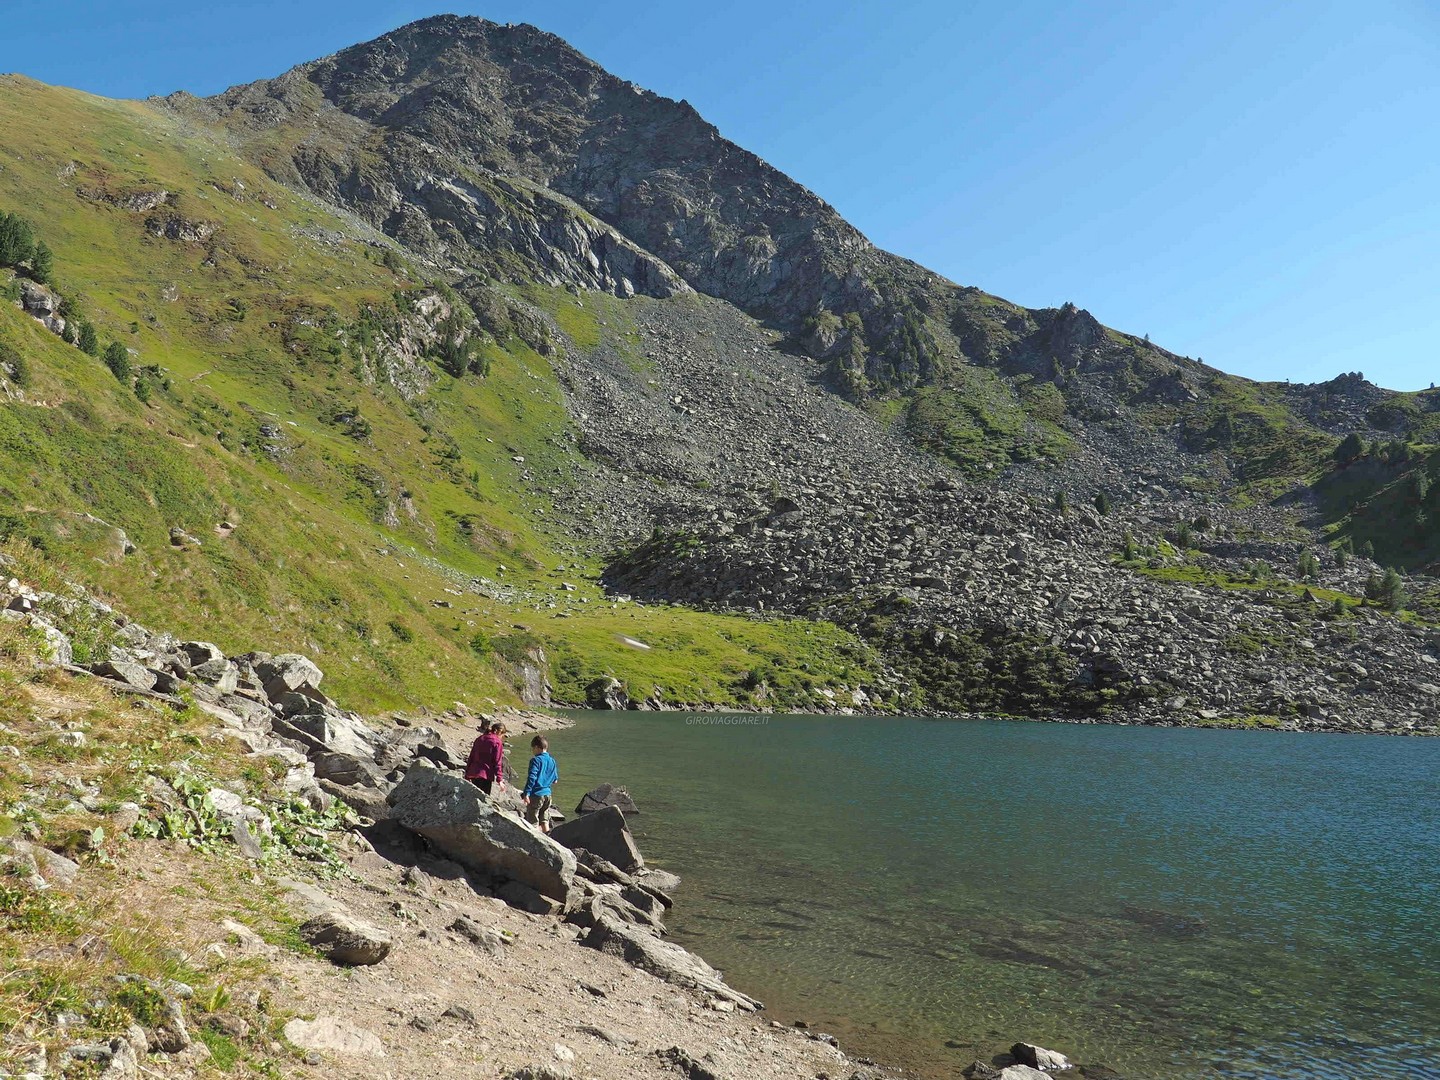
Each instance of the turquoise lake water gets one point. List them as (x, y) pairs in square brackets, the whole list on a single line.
[(1156, 903)]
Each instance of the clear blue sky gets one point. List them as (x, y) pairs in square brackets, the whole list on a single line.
[(1253, 182)]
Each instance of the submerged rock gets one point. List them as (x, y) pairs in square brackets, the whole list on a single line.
[(597, 798), (663, 959)]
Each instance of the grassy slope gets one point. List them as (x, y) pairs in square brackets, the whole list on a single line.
[(250, 328)]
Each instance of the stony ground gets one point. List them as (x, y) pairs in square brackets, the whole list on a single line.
[(772, 495), (441, 1003)]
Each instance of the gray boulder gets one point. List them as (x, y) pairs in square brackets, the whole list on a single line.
[(136, 675), (602, 833), (330, 1034), (661, 881), (524, 898), (221, 674), (287, 673), (597, 798), (114, 1059), (368, 802), (169, 1035), (459, 821), (408, 744), (197, 653), (1022, 1072), (603, 871), (333, 731), (602, 900), (487, 938), (344, 769), (54, 647)]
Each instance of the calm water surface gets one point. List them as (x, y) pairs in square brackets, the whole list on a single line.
[(1156, 903)]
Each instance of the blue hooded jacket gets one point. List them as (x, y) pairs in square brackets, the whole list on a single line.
[(543, 773)]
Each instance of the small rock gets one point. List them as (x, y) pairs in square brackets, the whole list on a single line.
[(344, 939), (170, 1036), (333, 1034), (541, 1072), (488, 938), (614, 1038), (1037, 1057)]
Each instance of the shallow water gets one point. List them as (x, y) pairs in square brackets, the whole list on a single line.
[(1160, 902)]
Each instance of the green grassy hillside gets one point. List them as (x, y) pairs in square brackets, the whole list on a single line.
[(333, 514)]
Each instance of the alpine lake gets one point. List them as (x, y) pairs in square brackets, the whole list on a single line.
[(1154, 903)]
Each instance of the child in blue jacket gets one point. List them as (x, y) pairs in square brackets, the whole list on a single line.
[(536, 793)]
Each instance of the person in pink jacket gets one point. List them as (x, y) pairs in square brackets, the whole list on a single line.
[(486, 757)]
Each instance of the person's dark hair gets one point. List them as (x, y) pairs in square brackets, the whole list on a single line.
[(498, 728), (540, 741)]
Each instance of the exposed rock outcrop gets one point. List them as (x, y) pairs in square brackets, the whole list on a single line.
[(458, 820)]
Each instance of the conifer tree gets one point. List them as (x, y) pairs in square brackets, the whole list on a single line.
[(89, 341), (42, 263), (117, 359)]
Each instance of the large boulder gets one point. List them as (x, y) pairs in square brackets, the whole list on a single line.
[(597, 798), (407, 744), (136, 675), (333, 731), (344, 769), (221, 674), (459, 821), (607, 693), (661, 881), (331, 1034), (288, 673), (603, 833), (198, 653)]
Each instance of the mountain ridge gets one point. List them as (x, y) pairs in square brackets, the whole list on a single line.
[(447, 357)]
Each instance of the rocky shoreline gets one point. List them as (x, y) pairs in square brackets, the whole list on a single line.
[(413, 821)]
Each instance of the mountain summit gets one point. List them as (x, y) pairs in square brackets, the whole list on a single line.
[(479, 138)]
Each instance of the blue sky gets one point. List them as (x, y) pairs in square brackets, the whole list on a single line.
[(1254, 183)]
